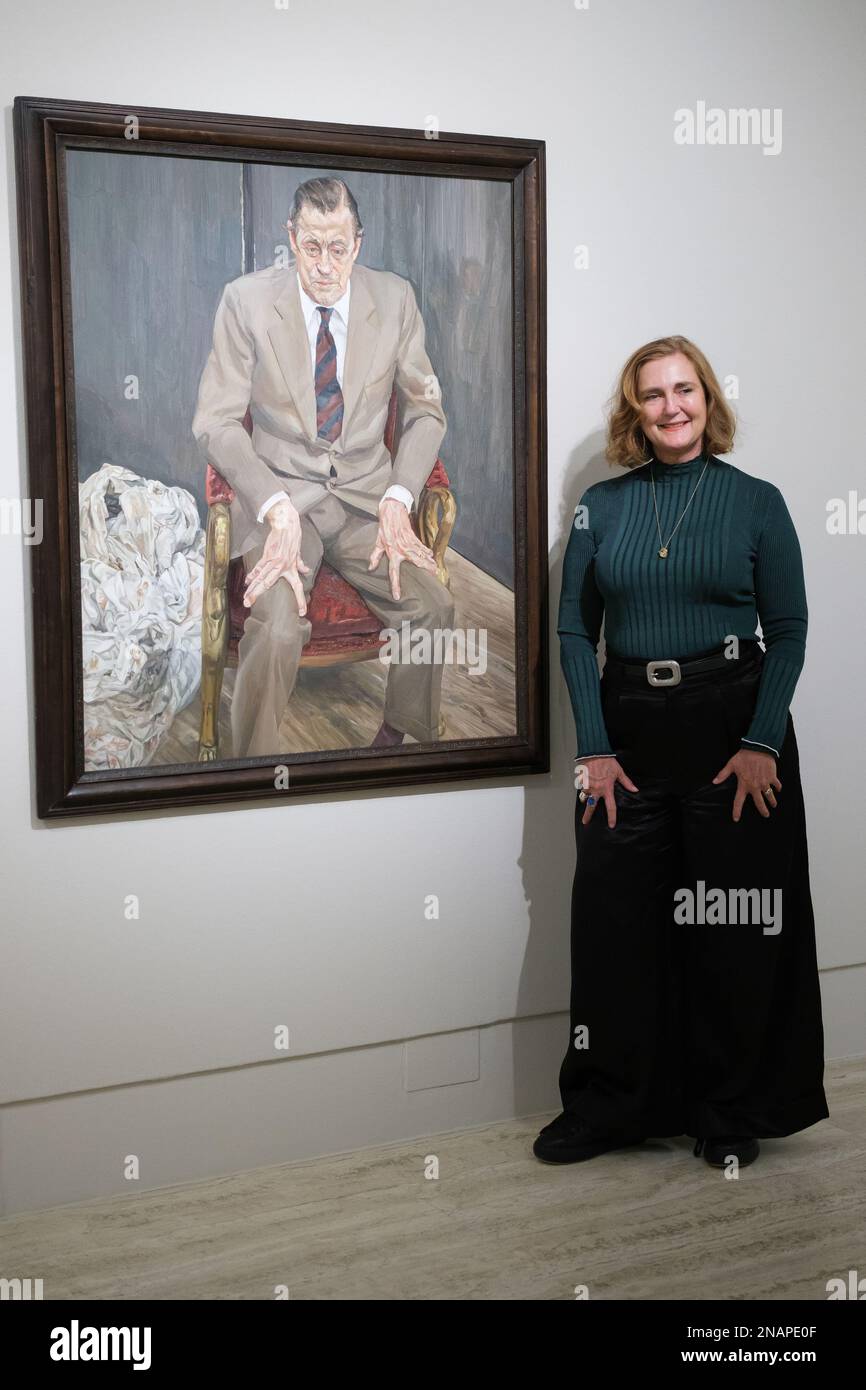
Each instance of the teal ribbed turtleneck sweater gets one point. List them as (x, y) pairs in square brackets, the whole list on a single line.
[(734, 560)]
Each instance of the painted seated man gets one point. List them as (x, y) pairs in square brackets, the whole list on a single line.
[(314, 352)]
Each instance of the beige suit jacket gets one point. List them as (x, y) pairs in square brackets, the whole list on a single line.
[(260, 360)]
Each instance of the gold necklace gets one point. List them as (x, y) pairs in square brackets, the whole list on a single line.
[(663, 545)]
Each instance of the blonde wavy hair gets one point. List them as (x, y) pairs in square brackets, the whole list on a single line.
[(626, 442)]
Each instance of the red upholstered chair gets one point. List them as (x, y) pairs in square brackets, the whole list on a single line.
[(343, 627)]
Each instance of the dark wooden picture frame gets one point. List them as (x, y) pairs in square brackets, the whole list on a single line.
[(46, 130)]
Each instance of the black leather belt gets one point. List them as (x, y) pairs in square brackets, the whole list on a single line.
[(666, 671)]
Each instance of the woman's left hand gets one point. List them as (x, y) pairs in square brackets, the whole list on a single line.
[(756, 777)]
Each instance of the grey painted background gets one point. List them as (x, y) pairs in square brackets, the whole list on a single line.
[(152, 242)]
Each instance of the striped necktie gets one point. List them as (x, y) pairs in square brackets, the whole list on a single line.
[(329, 397)]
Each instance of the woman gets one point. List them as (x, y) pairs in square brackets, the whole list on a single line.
[(695, 1004)]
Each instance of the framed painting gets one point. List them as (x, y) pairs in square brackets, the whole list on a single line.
[(286, 444)]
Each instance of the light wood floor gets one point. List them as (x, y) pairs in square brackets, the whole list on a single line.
[(645, 1223), (342, 706)]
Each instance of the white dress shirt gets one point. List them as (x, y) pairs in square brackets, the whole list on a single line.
[(339, 330)]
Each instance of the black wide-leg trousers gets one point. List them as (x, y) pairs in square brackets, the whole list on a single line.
[(701, 1027)]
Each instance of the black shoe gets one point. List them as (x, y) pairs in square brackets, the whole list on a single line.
[(567, 1139), (718, 1152)]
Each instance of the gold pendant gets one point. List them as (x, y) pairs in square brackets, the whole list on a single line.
[(663, 553)]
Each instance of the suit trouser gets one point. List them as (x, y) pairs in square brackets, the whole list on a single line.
[(275, 635), (697, 1027)]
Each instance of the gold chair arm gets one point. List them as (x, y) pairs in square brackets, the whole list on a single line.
[(214, 626), (437, 512)]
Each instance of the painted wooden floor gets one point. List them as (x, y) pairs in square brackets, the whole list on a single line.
[(645, 1223)]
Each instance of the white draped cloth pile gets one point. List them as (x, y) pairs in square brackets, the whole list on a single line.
[(142, 573)]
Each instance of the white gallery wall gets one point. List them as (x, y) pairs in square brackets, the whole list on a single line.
[(155, 1036)]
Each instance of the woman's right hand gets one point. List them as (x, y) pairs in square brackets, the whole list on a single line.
[(598, 778)]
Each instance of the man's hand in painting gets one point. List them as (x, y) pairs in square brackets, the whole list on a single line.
[(281, 558), (398, 541)]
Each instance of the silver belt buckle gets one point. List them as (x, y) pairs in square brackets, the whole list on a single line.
[(672, 666)]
